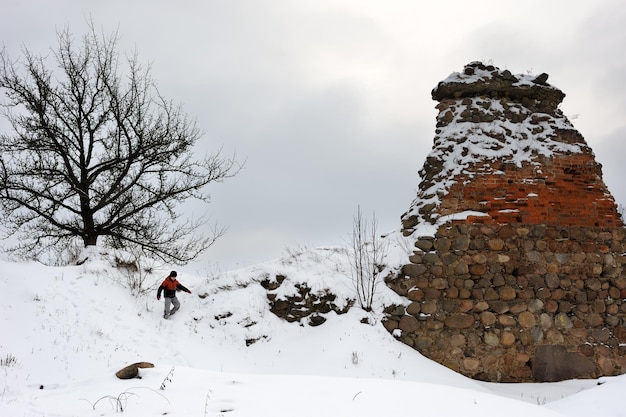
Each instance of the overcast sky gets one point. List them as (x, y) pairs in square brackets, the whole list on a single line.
[(329, 101)]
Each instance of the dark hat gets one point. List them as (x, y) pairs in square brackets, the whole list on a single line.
[(173, 274)]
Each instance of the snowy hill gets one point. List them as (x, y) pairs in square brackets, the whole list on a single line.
[(67, 330)]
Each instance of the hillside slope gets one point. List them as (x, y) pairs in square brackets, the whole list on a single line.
[(67, 330)]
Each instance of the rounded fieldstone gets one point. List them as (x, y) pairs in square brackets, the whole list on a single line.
[(461, 268), (498, 280), (579, 333), (495, 244), (507, 293), (408, 324), (507, 339), (491, 295), (545, 321), (503, 258), (471, 364), (452, 292), (526, 294), (612, 320), (449, 306), (414, 309), (562, 321), (448, 258), (565, 306), (432, 293), (596, 269), (507, 321), (457, 340), (436, 270), (424, 244), (506, 232), (422, 343), (537, 334), (527, 319), (479, 258), (478, 269), (598, 306), (551, 306), (429, 307), (499, 307), (431, 258), (491, 339), (461, 243), (552, 280), (481, 306), (533, 257), (434, 325), (594, 320), (488, 318), (415, 294), (606, 365), (586, 349), (593, 284), (416, 258), (535, 306), (439, 283), (390, 325), (554, 336), (460, 321), (442, 244), (464, 293), (413, 270), (601, 335), (543, 293), (558, 294), (422, 282), (518, 308), (465, 306)]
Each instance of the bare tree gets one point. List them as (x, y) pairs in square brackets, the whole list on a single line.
[(368, 252), (95, 152)]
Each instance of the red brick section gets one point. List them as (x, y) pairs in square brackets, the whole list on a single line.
[(564, 190)]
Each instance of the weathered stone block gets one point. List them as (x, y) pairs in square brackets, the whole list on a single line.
[(507, 293), (554, 363), (413, 270), (460, 321), (408, 324), (527, 319)]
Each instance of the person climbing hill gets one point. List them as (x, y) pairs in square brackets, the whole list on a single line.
[(171, 285)]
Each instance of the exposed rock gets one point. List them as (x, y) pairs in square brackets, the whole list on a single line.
[(132, 371)]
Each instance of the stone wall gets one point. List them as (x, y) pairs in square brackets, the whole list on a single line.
[(518, 302)]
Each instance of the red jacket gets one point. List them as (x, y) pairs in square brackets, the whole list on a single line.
[(170, 286)]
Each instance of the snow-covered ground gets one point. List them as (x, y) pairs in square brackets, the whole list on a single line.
[(65, 331)]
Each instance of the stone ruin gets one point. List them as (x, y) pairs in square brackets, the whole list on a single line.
[(517, 273)]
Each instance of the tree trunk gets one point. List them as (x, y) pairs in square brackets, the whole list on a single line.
[(90, 239)]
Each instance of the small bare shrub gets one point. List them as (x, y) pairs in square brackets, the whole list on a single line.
[(8, 360), (368, 252), (168, 378)]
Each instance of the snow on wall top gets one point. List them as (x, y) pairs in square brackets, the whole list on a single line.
[(478, 79), (488, 115)]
